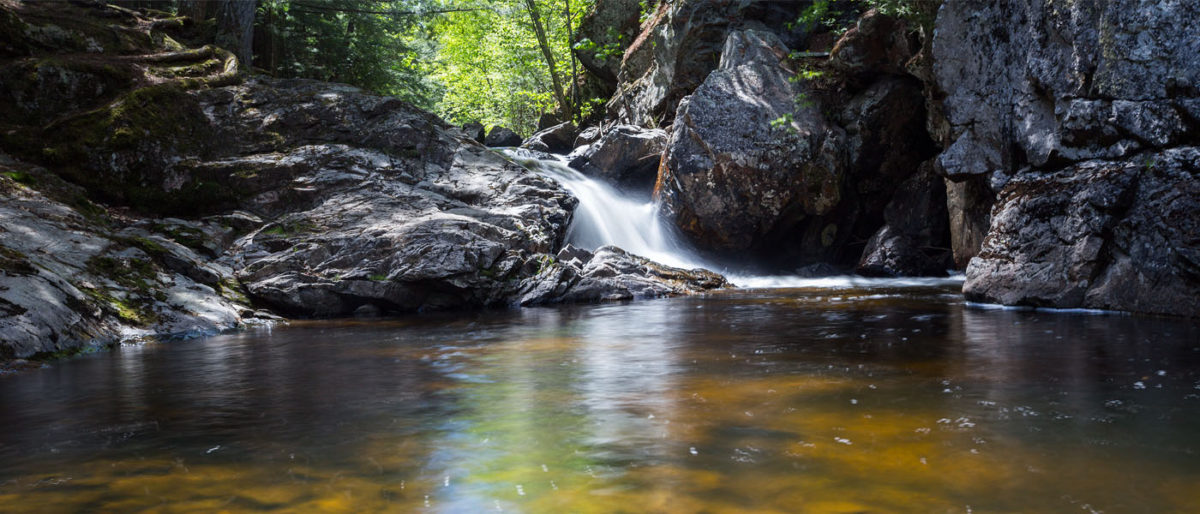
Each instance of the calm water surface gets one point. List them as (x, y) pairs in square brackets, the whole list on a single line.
[(862, 399)]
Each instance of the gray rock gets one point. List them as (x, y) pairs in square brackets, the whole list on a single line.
[(501, 136), (587, 136), (474, 130), (68, 280), (611, 274), (730, 174), (1032, 82), (1121, 235), (610, 27), (558, 139), (677, 49), (624, 155)]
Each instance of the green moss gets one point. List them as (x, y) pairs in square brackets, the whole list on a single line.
[(20, 177), (378, 277), (187, 236), (233, 291), (13, 262), (286, 228)]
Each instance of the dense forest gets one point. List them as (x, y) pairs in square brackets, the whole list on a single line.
[(497, 62)]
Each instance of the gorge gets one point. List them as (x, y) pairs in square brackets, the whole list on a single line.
[(756, 255)]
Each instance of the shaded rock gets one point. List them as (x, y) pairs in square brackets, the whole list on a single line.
[(914, 241), (623, 155), (729, 176), (501, 136), (969, 204), (556, 139), (604, 34), (877, 44), (611, 274), (547, 120), (587, 136), (474, 130), (1118, 235)]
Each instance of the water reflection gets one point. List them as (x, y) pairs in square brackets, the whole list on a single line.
[(883, 397)]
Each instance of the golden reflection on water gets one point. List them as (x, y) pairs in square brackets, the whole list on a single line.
[(583, 420)]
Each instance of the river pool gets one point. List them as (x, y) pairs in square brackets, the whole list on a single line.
[(860, 396)]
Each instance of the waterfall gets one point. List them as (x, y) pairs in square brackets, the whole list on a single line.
[(606, 216)]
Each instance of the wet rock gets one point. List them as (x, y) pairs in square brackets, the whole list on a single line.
[(624, 155), (501, 136), (555, 139), (729, 174), (1117, 235), (611, 274)]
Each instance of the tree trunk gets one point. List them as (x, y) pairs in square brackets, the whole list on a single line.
[(544, 43), (194, 9), (574, 71), (235, 28)]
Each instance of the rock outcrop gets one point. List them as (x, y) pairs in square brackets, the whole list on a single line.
[(309, 198), (624, 155), (1083, 96), (73, 276), (793, 166), (1122, 235)]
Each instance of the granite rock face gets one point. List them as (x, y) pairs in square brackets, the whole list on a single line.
[(1041, 83), (678, 46), (1121, 235), (1071, 113)]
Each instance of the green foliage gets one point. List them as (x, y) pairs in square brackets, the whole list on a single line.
[(376, 45), (491, 68)]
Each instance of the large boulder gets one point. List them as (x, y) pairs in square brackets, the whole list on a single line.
[(679, 45), (732, 169), (1121, 235), (558, 138), (501, 137), (609, 274), (624, 155)]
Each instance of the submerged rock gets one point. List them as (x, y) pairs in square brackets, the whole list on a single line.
[(1116, 235)]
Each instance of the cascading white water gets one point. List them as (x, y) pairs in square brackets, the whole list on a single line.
[(606, 216)]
